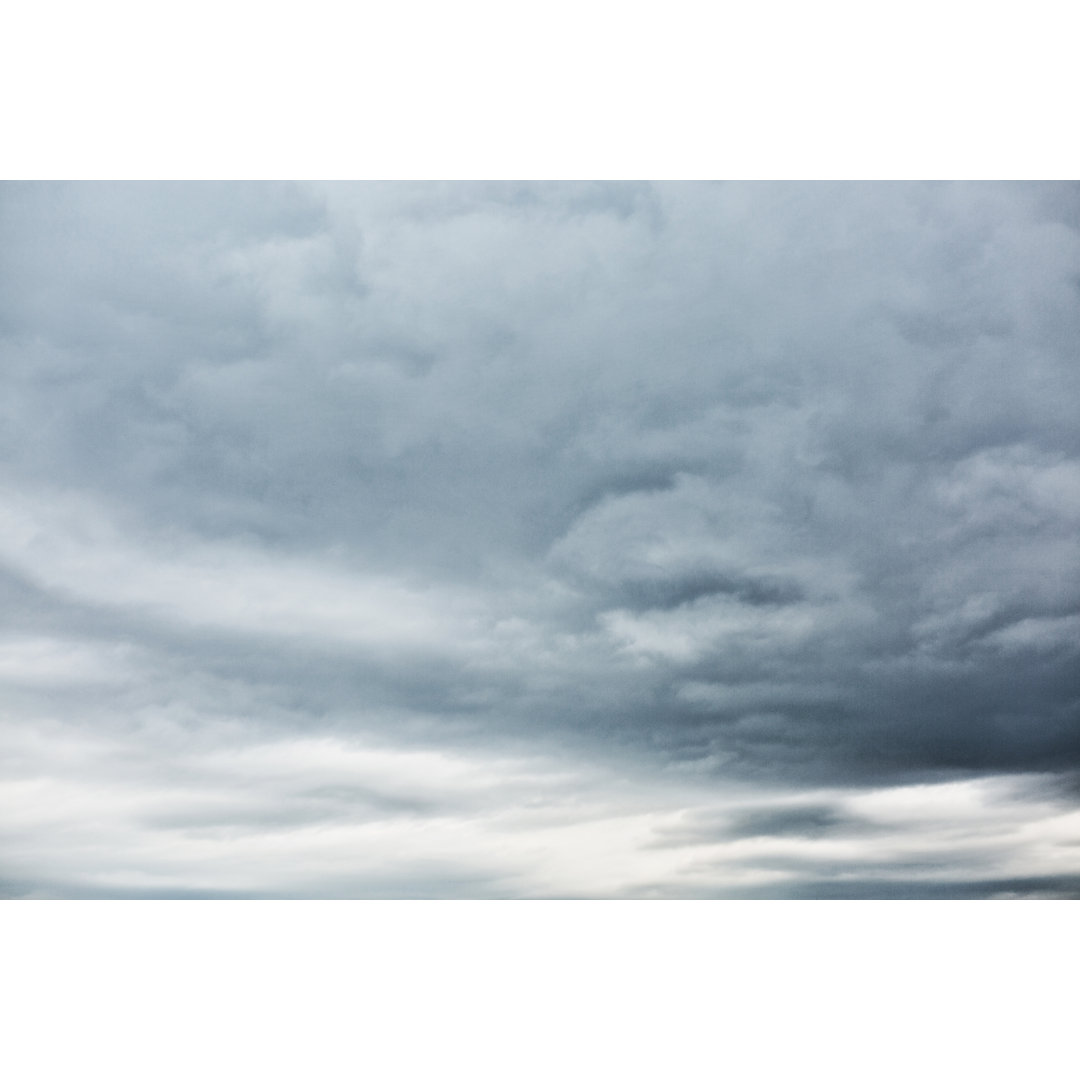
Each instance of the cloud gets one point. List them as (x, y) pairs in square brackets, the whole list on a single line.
[(670, 491), (161, 806)]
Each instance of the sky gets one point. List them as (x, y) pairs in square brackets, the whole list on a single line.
[(543, 540)]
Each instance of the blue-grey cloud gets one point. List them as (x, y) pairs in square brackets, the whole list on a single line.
[(712, 506)]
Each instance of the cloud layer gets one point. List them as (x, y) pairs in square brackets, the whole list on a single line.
[(540, 539)]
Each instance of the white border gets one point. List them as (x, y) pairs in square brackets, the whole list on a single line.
[(176, 989), (777, 89)]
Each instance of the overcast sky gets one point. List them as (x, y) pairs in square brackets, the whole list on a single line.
[(540, 540)]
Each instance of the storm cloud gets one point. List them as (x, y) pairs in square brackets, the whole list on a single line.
[(540, 539)]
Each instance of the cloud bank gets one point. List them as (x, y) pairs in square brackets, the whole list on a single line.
[(540, 540)]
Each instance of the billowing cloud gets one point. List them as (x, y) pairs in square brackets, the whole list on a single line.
[(540, 539)]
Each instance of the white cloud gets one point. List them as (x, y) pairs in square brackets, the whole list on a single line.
[(68, 545), (346, 816)]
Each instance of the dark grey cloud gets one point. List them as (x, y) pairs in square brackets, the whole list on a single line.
[(800, 820), (689, 484), (1054, 887)]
